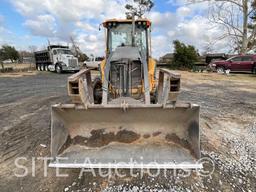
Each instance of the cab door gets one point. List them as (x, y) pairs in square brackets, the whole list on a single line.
[(55, 56), (247, 63), (235, 64)]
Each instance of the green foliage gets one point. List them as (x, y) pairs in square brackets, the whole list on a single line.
[(140, 8), (185, 56), (9, 52)]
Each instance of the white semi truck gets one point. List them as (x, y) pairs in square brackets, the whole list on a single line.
[(56, 58)]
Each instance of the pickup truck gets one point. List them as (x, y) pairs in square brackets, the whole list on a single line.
[(241, 63), (93, 62)]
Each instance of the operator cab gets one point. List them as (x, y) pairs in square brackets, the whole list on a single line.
[(128, 51), (120, 34)]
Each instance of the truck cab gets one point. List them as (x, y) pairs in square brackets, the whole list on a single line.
[(63, 60)]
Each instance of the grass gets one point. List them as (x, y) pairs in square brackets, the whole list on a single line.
[(18, 70), (17, 66)]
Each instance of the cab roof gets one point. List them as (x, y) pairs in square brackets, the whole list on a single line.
[(105, 23)]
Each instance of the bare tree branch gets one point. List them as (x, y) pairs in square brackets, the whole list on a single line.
[(202, 1), (234, 17)]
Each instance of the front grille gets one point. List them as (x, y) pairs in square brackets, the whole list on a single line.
[(72, 62)]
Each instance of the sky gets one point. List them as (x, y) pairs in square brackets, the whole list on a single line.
[(24, 23)]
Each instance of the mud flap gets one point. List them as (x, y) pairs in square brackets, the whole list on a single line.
[(139, 137)]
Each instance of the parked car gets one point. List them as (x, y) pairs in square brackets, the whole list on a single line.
[(241, 63)]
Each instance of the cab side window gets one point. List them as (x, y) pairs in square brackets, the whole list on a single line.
[(237, 59), (247, 58)]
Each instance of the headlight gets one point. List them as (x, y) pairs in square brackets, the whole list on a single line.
[(213, 65)]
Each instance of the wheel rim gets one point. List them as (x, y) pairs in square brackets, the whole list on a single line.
[(220, 70), (58, 69)]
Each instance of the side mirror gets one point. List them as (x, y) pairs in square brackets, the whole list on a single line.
[(100, 27)]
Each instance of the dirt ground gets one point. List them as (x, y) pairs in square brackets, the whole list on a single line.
[(228, 132)]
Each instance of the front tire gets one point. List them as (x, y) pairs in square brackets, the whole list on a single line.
[(58, 69), (97, 90), (220, 70)]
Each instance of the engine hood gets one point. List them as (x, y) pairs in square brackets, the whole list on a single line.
[(126, 52)]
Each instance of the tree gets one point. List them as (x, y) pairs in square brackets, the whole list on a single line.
[(185, 56), (140, 8), (9, 52), (77, 51), (251, 27), (234, 16), (32, 48), (2, 57), (82, 57), (25, 55)]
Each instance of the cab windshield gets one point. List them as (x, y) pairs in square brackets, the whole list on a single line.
[(64, 51), (230, 59), (121, 35)]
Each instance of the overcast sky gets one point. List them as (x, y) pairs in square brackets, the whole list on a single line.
[(32, 22)]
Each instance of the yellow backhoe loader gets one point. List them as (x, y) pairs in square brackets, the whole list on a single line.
[(129, 117)]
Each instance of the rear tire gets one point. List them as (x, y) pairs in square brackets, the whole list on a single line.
[(41, 67), (38, 67), (220, 70), (58, 68)]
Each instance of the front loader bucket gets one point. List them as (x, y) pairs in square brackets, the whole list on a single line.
[(139, 137)]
